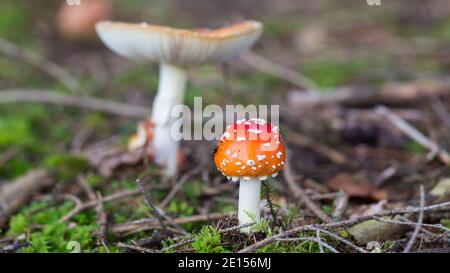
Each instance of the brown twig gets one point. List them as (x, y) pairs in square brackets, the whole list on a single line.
[(102, 219), (414, 134), (274, 69), (270, 203), (156, 213), (135, 247), (413, 238), (312, 239), (330, 153), (146, 224), (363, 96), (52, 97), (74, 211), (301, 195), (341, 224), (110, 198), (56, 71), (183, 179), (102, 223), (7, 156), (15, 194), (340, 204), (440, 110)]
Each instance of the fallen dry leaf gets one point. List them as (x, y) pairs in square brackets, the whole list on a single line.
[(356, 186)]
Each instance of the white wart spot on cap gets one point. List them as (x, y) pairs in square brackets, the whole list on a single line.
[(279, 154), (251, 163), (226, 135), (241, 121), (260, 157), (259, 121), (254, 131)]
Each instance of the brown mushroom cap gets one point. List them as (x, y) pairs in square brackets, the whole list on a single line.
[(144, 42), (250, 148)]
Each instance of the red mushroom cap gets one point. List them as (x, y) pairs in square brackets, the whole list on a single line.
[(250, 148)]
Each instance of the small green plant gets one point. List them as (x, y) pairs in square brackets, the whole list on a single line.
[(208, 241)]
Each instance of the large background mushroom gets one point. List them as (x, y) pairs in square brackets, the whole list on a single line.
[(174, 50)]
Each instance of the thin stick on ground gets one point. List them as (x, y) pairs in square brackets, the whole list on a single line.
[(54, 70), (408, 222), (78, 206), (341, 224), (267, 190), (85, 102), (159, 213), (135, 248), (102, 223), (414, 134), (110, 198), (339, 206), (301, 195), (304, 141), (413, 238), (274, 69), (317, 240), (440, 110), (15, 194), (102, 219), (146, 224), (340, 239), (183, 179), (155, 211)]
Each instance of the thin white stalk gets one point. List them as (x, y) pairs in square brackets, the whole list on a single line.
[(172, 83), (249, 202)]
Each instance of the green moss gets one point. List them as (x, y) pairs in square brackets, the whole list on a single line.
[(53, 236), (140, 77), (67, 166), (278, 29), (15, 131), (332, 73), (208, 240), (415, 147), (192, 189), (15, 167), (15, 20)]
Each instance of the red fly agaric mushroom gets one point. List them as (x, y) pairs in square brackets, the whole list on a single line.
[(175, 49), (250, 151)]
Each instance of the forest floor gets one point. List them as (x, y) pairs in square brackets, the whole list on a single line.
[(363, 93)]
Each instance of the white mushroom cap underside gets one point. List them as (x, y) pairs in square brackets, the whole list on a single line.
[(142, 42)]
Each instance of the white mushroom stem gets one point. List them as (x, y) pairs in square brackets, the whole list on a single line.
[(172, 83), (249, 202)]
